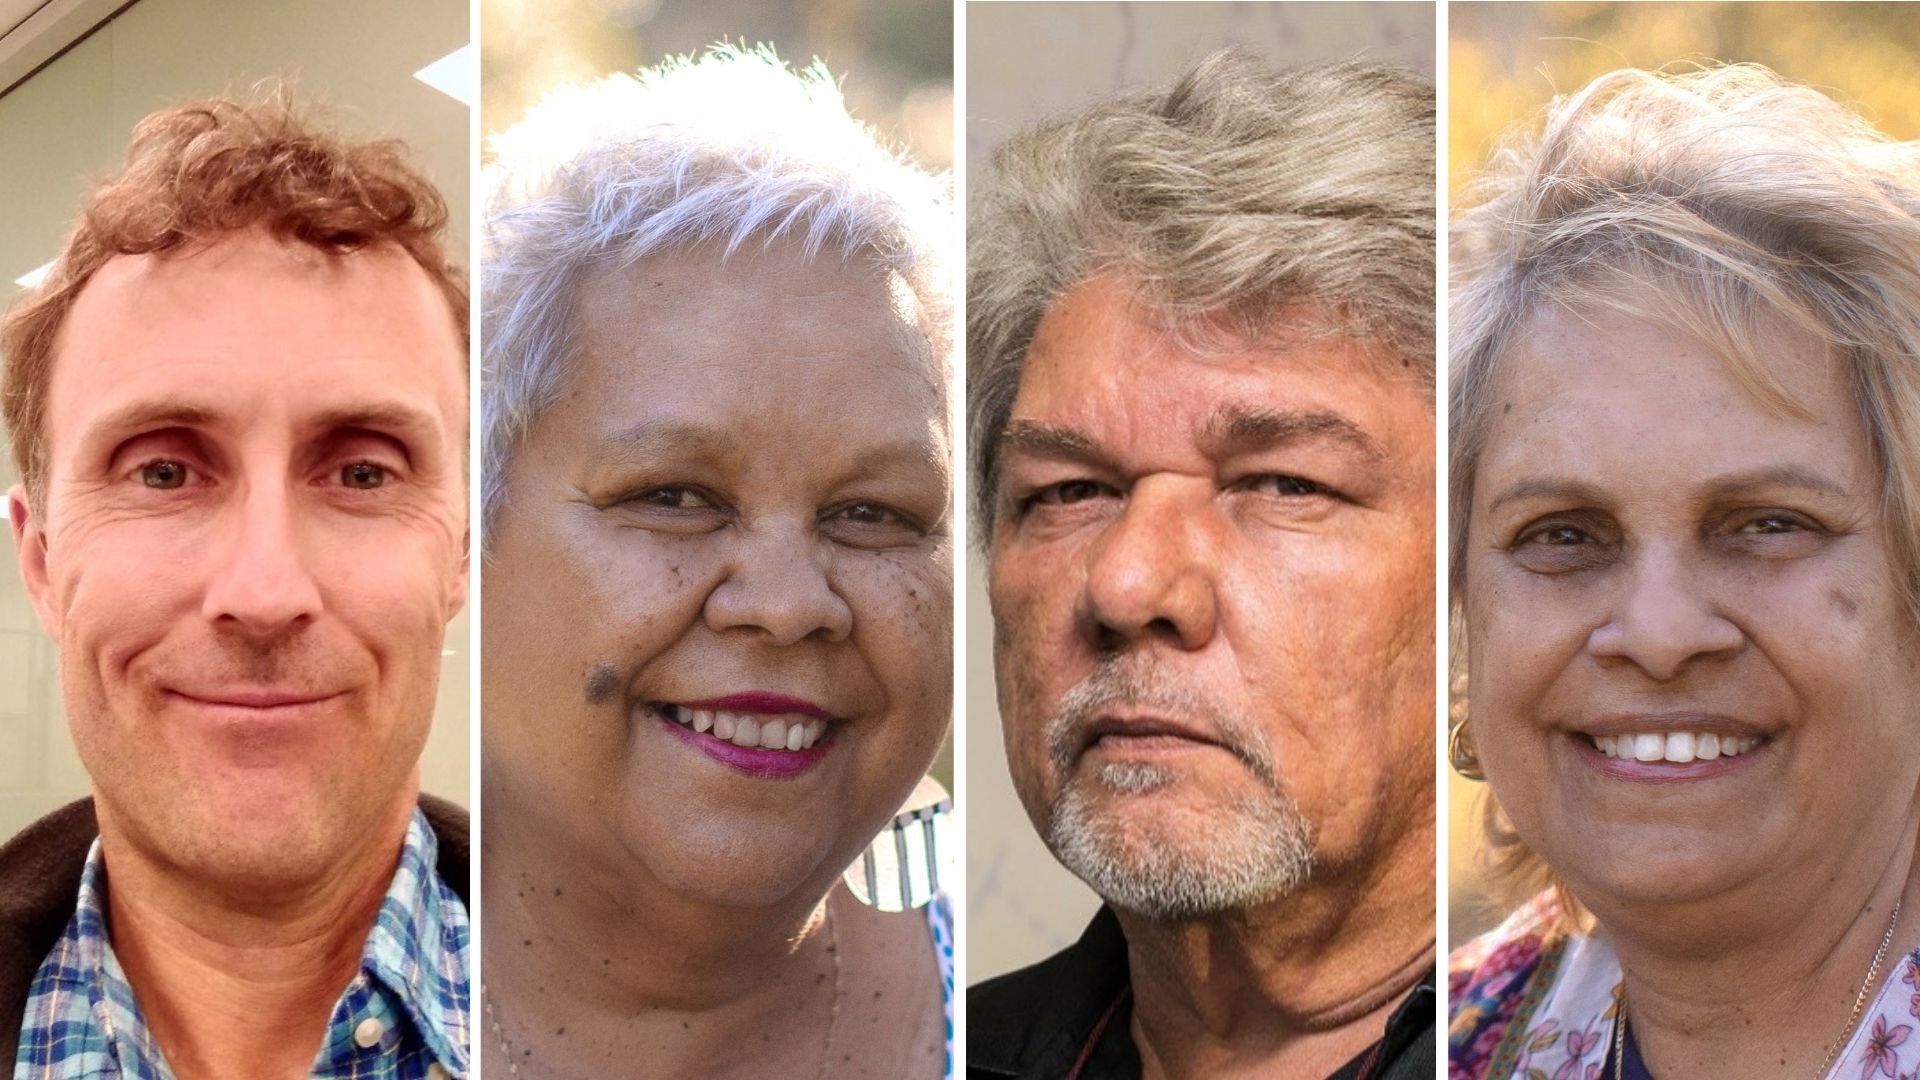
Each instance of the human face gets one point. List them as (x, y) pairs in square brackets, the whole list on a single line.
[(1655, 552), (738, 507), (254, 536), (1212, 585)]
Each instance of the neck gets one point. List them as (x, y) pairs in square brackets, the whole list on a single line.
[(1767, 994), (585, 951), (1296, 987), (236, 983)]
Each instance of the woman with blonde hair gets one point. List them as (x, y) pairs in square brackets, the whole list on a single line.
[(1685, 440)]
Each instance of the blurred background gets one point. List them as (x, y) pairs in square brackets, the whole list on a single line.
[(894, 57), (75, 77), (1505, 62), (1027, 62)]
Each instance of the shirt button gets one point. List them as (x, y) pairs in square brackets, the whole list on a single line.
[(368, 1033)]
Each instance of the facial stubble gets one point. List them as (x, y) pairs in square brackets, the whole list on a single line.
[(1242, 851)]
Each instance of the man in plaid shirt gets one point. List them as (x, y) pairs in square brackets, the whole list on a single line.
[(237, 404)]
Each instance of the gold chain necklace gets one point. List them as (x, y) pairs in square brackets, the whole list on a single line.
[(1859, 1003), (833, 1015)]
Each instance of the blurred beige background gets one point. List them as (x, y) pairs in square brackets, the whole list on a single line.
[(1027, 62), (894, 58), (75, 76), (1506, 61)]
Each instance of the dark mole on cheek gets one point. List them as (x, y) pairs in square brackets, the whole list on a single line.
[(1507, 408), (1848, 606), (602, 681)]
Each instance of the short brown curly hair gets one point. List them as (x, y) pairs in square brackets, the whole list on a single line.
[(194, 173)]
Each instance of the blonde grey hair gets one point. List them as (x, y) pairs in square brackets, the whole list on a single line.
[(729, 148), (1724, 203), (1219, 199)]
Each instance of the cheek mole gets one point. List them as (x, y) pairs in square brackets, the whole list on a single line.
[(1849, 607), (602, 681)]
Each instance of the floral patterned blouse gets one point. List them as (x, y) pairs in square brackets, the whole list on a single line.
[(1534, 1001)]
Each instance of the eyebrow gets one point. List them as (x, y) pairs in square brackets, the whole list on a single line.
[(1232, 429), (1038, 439), (148, 415), (1720, 487), (1236, 429), (650, 438)]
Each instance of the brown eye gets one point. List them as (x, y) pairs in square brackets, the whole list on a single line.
[(165, 475), (362, 476)]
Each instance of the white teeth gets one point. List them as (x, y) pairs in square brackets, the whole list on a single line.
[(1649, 747), (1679, 747), (792, 733), (746, 732)]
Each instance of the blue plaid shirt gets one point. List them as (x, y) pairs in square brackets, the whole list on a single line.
[(405, 1016)]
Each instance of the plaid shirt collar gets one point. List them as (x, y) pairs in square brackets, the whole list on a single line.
[(405, 1015)]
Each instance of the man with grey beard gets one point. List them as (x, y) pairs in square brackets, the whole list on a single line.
[(1200, 397)]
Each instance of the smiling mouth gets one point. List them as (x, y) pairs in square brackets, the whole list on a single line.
[(1678, 747), (793, 732)]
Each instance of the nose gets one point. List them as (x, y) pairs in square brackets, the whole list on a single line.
[(1664, 620), (263, 584), (778, 584), (1152, 572)]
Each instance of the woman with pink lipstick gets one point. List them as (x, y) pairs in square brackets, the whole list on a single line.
[(1686, 565), (718, 585)]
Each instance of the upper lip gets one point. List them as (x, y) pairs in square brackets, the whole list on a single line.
[(1638, 723), (760, 701), (1141, 725), (254, 697)]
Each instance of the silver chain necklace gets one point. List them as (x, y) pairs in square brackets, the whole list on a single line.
[(1859, 1003)]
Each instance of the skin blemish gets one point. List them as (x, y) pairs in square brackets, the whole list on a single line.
[(1847, 605), (602, 681)]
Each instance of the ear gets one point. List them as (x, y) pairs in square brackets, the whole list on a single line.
[(457, 583), (30, 542)]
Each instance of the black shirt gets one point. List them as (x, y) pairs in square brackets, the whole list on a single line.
[(1074, 1010)]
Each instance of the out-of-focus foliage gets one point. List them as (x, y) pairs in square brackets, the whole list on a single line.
[(894, 57), (1506, 61)]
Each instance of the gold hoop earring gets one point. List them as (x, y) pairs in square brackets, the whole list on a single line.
[(1460, 753)]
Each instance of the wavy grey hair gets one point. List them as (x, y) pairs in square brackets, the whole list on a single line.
[(1220, 199), (731, 148)]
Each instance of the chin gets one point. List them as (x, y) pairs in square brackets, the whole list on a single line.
[(733, 860), (1163, 856), (1646, 869)]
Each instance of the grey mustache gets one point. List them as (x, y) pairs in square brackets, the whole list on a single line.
[(1144, 685)]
